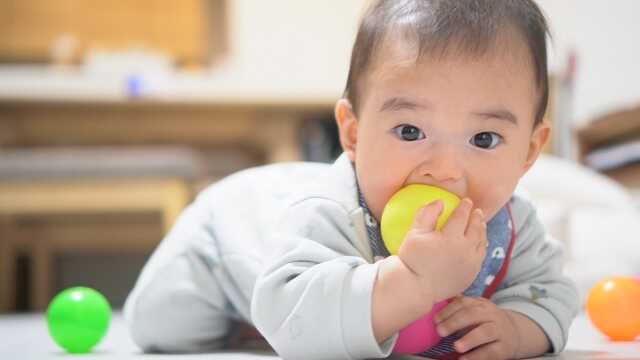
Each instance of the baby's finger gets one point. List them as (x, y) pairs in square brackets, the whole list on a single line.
[(488, 351), (483, 243), (476, 219), (454, 305), (460, 217), (480, 335), (477, 230), (427, 217), (470, 315)]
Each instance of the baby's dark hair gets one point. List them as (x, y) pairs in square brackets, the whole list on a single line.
[(440, 27)]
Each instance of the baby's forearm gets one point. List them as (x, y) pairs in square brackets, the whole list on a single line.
[(397, 300), (532, 341)]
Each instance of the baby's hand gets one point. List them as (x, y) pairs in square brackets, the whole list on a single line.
[(445, 262), (491, 331)]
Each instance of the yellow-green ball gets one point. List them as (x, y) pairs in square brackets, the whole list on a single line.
[(400, 212)]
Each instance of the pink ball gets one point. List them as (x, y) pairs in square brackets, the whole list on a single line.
[(420, 335)]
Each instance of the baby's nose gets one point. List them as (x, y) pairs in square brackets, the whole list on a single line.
[(443, 164)]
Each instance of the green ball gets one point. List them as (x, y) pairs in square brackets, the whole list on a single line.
[(78, 318)]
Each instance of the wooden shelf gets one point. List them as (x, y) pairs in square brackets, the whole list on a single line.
[(226, 87), (610, 129), (187, 30)]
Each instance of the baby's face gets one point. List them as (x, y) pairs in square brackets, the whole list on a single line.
[(459, 124)]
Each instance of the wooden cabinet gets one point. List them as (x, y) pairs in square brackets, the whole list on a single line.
[(286, 65), (271, 132), (187, 30), (38, 199)]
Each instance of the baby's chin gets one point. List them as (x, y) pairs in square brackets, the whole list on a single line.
[(491, 210), (489, 214)]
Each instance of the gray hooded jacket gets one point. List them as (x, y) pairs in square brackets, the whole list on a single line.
[(284, 247)]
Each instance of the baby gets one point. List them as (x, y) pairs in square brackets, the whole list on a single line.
[(449, 93)]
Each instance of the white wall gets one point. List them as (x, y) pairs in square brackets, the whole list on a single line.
[(606, 38), (310, 41), (293, 41), (303, 47)]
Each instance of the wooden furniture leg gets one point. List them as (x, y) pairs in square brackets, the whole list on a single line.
[(281, 139), (7, 267), (176, 198), (42, 277)]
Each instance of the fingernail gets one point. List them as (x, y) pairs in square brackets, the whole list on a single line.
[(441, 331), (436, 206)]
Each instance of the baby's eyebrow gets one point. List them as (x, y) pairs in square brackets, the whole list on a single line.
[(401, 103), (500, 114)]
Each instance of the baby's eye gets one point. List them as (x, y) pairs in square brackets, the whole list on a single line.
[(408, 132), (486, 140)]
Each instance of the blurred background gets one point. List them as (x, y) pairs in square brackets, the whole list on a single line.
[(115, 114)]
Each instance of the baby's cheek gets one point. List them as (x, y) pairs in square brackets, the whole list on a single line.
[(378, 193), (492, 200)]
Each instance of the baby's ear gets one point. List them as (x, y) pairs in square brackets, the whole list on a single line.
[(538, 140), (347, 126)]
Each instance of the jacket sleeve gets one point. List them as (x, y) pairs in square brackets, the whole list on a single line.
[(535, 285), (314, 299), (176, 305)]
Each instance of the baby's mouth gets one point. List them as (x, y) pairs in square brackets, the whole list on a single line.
[(452, 189)]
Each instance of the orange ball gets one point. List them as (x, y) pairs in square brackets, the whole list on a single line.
[(613, 306)]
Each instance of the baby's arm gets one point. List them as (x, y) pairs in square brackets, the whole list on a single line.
[(314, 299), (321, 298), (535, 287), (176, 304)]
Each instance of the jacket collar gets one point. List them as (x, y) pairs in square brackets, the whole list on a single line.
[(347, 190)]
